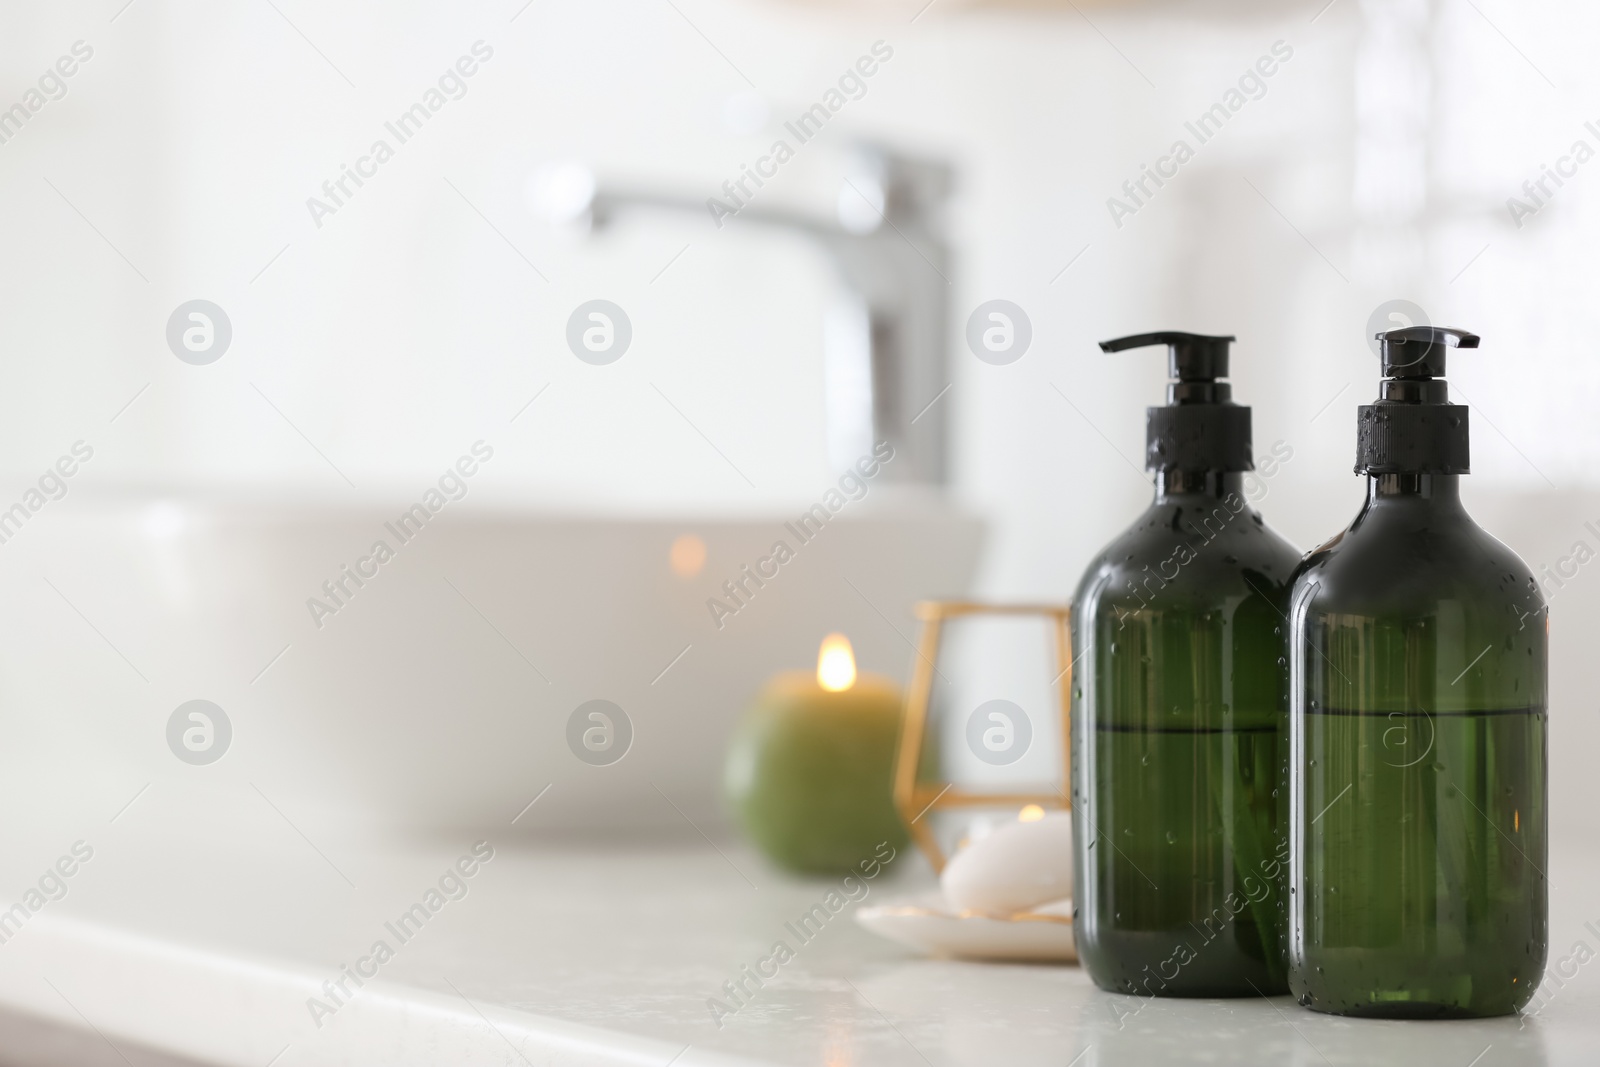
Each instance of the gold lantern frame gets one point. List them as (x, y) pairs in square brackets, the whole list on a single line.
[(914, 799)]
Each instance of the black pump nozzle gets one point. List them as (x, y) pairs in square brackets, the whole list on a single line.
[(1419, 351), (1413, 428), (1201, 428), (1191, 357)]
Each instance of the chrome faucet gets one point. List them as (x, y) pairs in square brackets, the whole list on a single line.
[(886, 352)]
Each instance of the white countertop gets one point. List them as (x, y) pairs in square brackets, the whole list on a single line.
[(574, 953)]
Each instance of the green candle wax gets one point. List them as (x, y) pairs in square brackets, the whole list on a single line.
[(809, 771)]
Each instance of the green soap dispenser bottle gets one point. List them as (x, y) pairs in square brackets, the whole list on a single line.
[(1417, 731), (1178, 711)]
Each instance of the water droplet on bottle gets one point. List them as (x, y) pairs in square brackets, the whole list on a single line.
[(1144, 760), (1172, 838), (1282, 662)]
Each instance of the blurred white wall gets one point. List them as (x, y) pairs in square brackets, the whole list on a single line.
[(1375, 164)]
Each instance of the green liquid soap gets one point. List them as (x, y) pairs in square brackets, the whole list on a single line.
[(1178, 714), (1418, 733)]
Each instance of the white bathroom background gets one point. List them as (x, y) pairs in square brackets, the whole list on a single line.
[(374, 345)]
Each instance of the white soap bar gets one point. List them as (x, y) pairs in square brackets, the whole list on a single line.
[(1013, 868)]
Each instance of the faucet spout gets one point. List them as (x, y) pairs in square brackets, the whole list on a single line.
[(886, 348)]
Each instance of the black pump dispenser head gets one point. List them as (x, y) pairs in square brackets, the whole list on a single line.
[(1413, 428), (1201, 428)]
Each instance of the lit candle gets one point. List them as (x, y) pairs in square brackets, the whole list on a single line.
[(810, 768)]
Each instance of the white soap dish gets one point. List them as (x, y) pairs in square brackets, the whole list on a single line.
[(1042, 934)]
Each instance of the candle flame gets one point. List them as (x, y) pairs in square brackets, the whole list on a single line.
[(1031, 813), (687, 555), (836, 664)]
